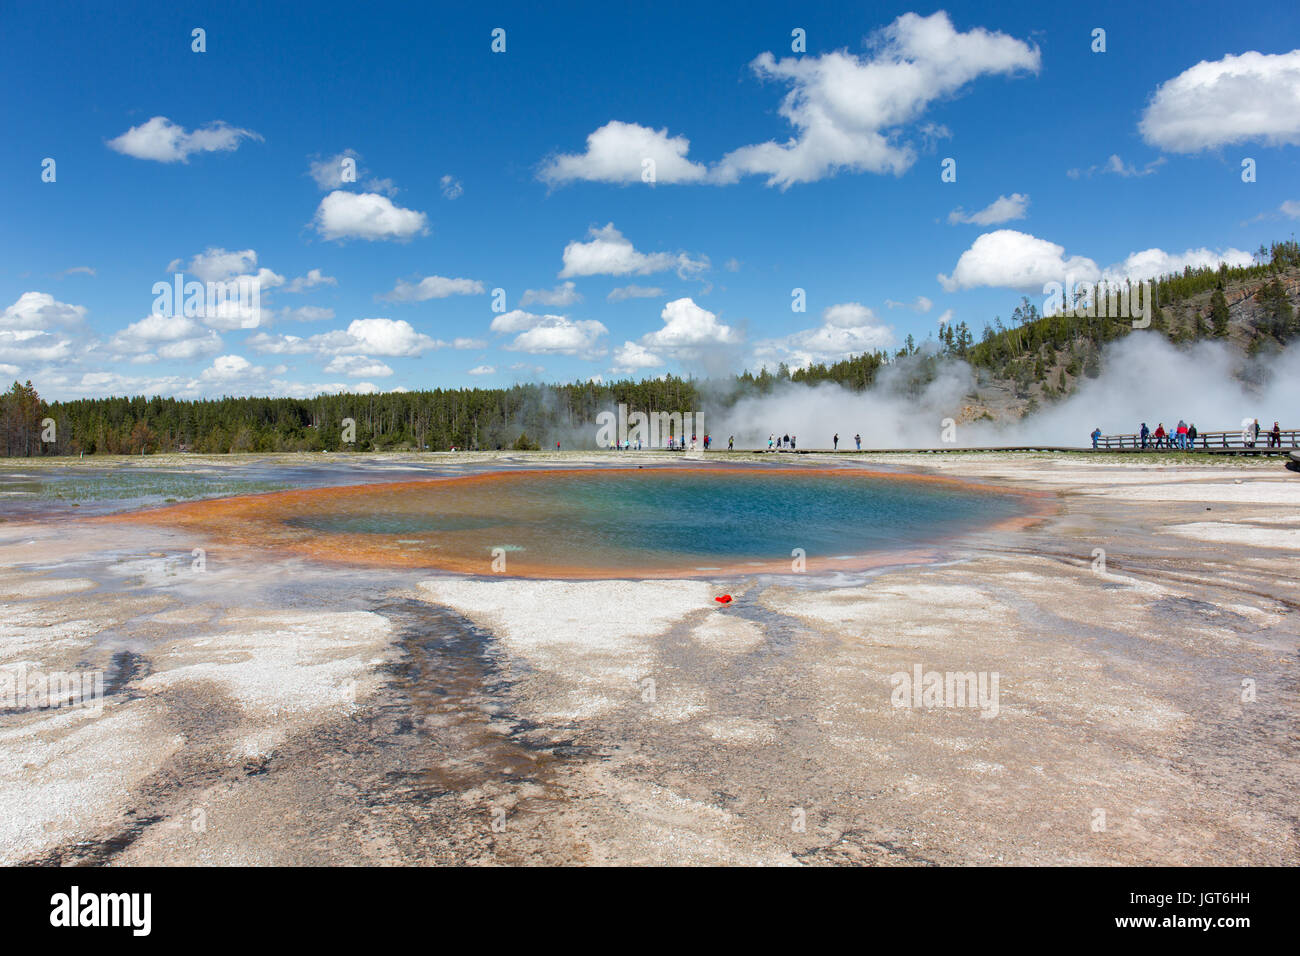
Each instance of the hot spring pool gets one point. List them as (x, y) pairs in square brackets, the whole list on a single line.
[(625, 522)]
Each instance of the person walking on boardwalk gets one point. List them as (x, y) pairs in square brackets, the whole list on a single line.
[(1096, 434), (1159, 434), (1145, 433), (1247, 433), (836, 440), (731, 443), (858, 439), (1275, 436)]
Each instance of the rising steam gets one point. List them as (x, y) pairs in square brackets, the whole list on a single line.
[(1145, 378)]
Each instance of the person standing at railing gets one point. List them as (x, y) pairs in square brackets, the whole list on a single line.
[(1191, 435), (1181, 433), (1159, 434), (1275, 436), (1144, 434), (1096, 434)]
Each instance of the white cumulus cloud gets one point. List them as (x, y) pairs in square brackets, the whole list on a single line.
[(1152, 263), (40, 310), (632, 357), (848, 328), (386, 337), (1016, 260), (1003, 209), (369, 216), (433, 287), (358, 366), (846, 109), (1009, 259), (175, 337), (1254, 97), (562, 336), (166, 142), (328, 172), (608, 252), (564, 294), (312, 279), (618, 153), (687, 325)]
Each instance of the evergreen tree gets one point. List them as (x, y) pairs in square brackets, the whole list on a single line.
[(1219, 314)]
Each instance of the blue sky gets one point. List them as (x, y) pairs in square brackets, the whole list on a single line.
[(774, 170)]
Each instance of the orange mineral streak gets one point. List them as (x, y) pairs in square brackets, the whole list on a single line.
[(259, 522)]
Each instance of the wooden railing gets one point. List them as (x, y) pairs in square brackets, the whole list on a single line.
[(1205, 441)]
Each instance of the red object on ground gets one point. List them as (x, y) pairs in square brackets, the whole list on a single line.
[(725, 599)]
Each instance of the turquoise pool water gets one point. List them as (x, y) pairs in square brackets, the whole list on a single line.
[(650, 519)]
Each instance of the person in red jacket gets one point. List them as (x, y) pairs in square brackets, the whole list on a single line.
[(1159, 435)]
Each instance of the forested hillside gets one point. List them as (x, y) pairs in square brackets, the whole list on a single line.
[(1034, 359), (1029, 360)]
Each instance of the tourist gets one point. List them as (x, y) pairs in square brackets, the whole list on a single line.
[(1181, 433), (1159, 434), (1275, 436), (785, 441), (1191, 435), (1255, 435), (1096, 434), (793, 439), (731, 443), (1247, 434), (858, 439), (771, 440), (1145, 433), (836, 441)]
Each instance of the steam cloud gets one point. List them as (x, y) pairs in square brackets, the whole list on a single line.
[(1144, 378)]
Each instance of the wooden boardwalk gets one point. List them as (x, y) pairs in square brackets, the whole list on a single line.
[(1225, 442), (1260, 449), (1207, 443)]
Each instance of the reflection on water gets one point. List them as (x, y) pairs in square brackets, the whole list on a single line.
[(636, 522)]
